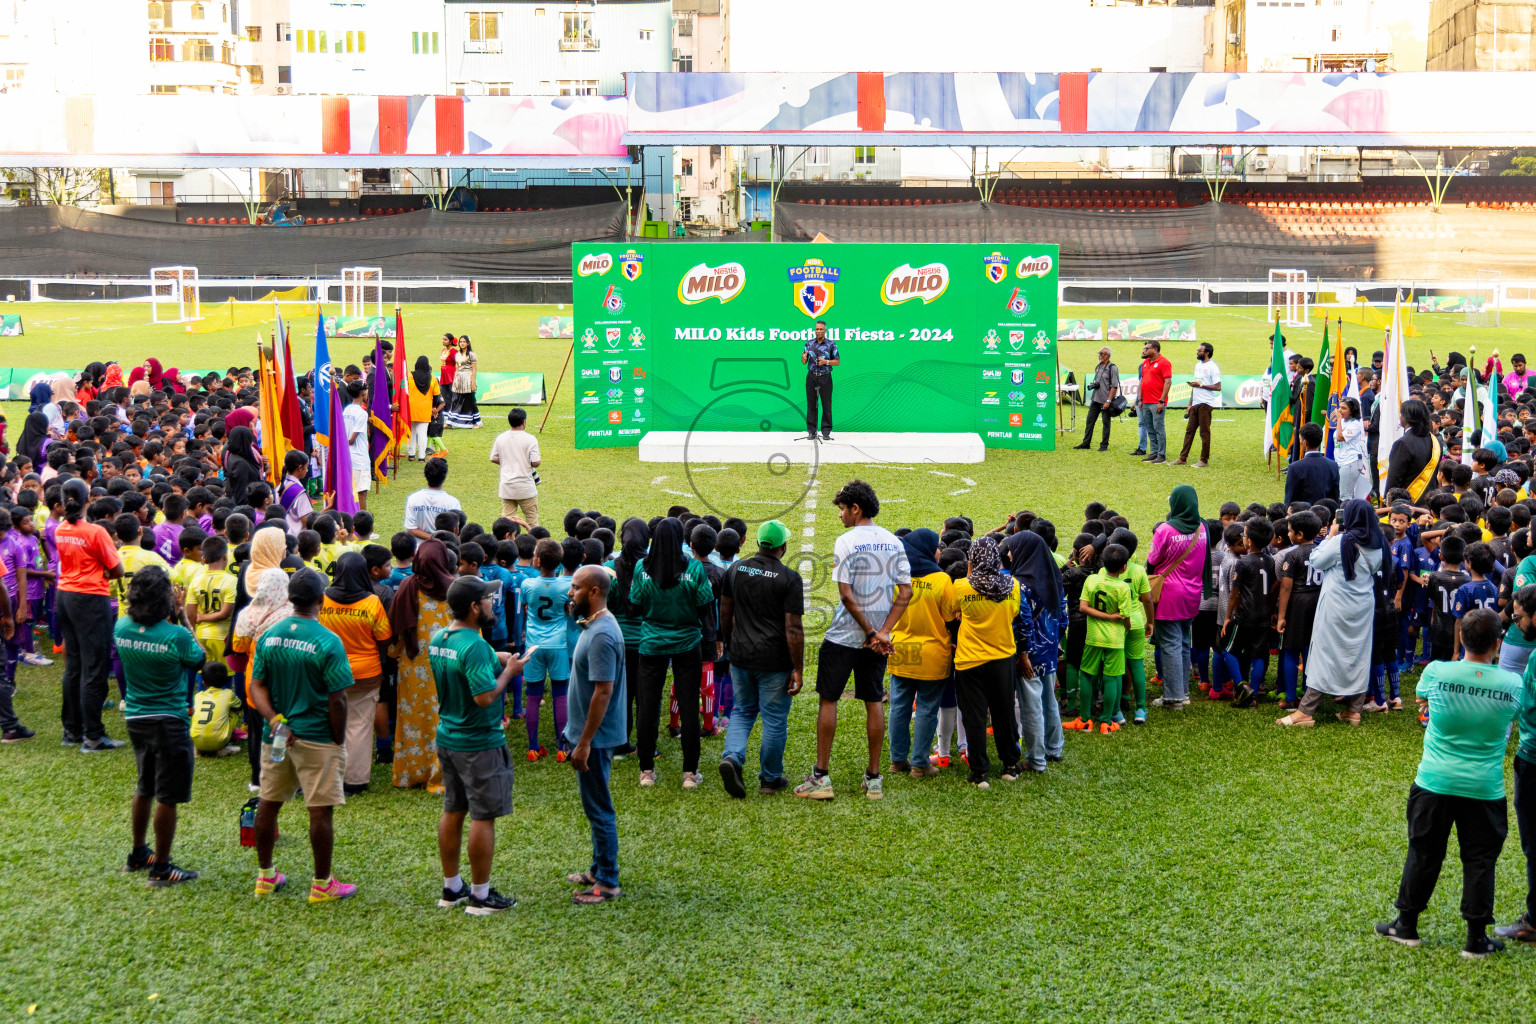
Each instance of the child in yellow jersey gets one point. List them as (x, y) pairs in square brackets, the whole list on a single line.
[(920, 663), (1137, 632), (212, 601), (1107, 602), (134, 558), (993, 619), (325, 559), (213, 713)]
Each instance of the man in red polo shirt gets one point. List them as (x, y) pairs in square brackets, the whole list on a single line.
[(1152, 399)]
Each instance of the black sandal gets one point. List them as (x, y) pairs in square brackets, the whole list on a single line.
[(595, 895)]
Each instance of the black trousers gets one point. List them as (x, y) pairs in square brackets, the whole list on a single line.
[(818, 385), (988, 687), (632, 690), (1481, 826), (687, 675), (85, 624), (1095, 413), (1525, 817)]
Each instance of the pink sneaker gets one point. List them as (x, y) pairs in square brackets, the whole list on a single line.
[(330, 890)]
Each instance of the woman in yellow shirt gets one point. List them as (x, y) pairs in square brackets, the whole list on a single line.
[(355, 614), (922, 659), (985, 656), (425, 398)]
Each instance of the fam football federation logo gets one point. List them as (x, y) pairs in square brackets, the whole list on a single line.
[(704, 282), (811, 287), (996, 266), (613, 301), (1018, 305), (907, 282), (630, 265)]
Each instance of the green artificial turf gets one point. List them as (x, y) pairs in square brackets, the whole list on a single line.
[(1208, 866)]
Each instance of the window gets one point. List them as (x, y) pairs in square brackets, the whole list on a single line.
[(685, 23), (198, 12), (1337, 31), (161, 12), (13, 78), (324, 42), (577, 31), (284, 32), (162, 193), (351, 40), (226, 53), (162, 90), (416, 42), (161, 49), (434, 42), (362, 41), (578, 87), (197, 49), (687, 167), (645, 35), (253, 33), (714, 155), (538, 12), (817, 155), (685, 62), (864, 156), (255, 74), (498, 88), (685, 207), (285, 74), (484, 32)]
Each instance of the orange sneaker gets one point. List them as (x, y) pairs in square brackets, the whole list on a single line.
[(942, 762), (1205, 687), (534, 755), (58, 648), (989, 730), (1114, 726), (1077, 725), (1104, 729), (560, 756)]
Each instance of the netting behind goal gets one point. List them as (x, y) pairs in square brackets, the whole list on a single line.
[(1483, 301), (174, 297), (362, 291)]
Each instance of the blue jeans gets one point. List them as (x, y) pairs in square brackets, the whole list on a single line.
[(1174, 643), (1152, 423), (764, 694), (1041, 714), (927, 693), (597, 802)]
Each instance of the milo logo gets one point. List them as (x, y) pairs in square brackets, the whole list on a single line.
[(1035, 266), (598, 263)]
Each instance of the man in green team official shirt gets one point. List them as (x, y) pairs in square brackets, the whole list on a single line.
[(1523, 627), (1460, 783), (156, 654), (299, 671), (471, 682)]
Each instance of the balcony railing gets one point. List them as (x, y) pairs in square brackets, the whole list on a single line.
[(579, 43), (482, 46)]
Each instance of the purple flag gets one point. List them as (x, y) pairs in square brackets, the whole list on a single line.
[(381, 419), (339, 475)]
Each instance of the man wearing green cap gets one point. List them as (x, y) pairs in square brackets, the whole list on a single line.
[(761, 602)]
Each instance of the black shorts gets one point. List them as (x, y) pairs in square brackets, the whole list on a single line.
[(1077, 639), (1205, 633), (477, 781), (1247, 641), (1299, 616), (834, 663), (162, 748)]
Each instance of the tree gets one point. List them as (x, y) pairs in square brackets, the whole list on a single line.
[(1521, 165), (62, 186)]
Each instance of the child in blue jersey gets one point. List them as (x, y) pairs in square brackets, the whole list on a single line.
[(544, 626), (1479, 591), (1426, 560), (1404, 535), (511, 617)]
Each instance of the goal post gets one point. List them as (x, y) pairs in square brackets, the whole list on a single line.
[(174, 290), (362, 291), (1482, 307), (1289, 296)]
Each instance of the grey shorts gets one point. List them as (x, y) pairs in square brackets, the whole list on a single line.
[(479, 782)]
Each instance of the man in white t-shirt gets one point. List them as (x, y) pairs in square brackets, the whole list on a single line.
[(874, 584), (517, 453), (354, 419), (423, 507), (1205, 395)]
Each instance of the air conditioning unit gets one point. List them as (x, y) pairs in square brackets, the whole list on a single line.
[(846, 175), (677, 54), (1261, 163), (282, 90), (793, 176)]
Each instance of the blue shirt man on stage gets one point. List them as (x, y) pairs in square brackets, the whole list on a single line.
[(819, 357)]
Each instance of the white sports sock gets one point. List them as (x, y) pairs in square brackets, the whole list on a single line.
[(946, 729), (481, 891), (453, 884), (960, 731)]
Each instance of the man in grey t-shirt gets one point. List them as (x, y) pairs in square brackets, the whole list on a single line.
[(595, 726), (1101, 392)]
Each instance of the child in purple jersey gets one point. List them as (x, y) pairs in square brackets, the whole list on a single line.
[(25, 539)]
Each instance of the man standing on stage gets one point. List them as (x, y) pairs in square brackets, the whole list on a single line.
[(1205, 395), (819, 357)]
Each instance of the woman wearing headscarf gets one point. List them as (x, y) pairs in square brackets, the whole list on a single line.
[(1415, 456), (63, 388), (1181, 556), (670, 593), (171, 382), (139, 388), (355, 614), (1339, 657), (1029, 557), (920, 665), (154, 374), (425, 399), (34, 440), (241, 469), (135, 375), (986, 658), (420, 608), (112, 377), (269, 606), (634, 538), (40, 394), (463, 412)]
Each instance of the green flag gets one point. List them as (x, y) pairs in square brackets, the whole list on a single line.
[(1281, 421), (1320, 389)]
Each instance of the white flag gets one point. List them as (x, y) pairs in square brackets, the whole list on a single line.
[(1394, 391)]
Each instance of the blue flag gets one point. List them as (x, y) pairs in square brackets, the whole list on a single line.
[(322, 415)]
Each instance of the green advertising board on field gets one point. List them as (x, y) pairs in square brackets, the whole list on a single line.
[(10, 325), (941, 338), (509, 388), (360, 326)]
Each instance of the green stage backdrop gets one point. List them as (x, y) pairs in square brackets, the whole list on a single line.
[(955, 338)]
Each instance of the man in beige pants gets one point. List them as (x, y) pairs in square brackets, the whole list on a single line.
[(517, 453)]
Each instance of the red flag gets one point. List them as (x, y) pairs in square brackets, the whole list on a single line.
[(403, 410), (290, 416)]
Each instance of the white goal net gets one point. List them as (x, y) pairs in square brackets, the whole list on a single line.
[(173, 295), (1482, 307), (362, 291), (1289, 298)]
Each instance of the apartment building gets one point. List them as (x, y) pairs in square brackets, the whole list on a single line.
[(362, 47), (191, 47), (706, 176), (1482, 35)]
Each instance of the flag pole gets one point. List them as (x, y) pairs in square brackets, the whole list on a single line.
[(550, 401)]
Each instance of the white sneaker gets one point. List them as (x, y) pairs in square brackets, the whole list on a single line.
[(647, 778), (252, 787), (36, 660), (691, 780)]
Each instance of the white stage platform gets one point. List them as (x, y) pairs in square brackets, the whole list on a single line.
[(790, 449)]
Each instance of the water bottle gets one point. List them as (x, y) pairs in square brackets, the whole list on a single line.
[(280, 734)]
